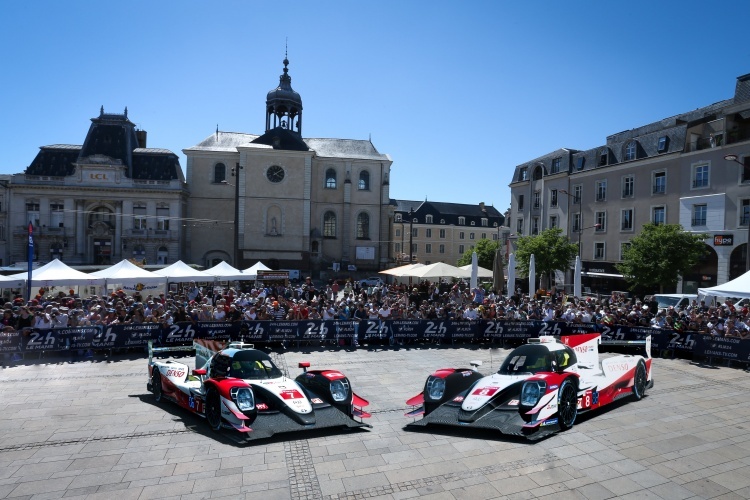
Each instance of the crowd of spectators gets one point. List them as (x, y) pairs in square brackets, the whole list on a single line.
[(350, 301)]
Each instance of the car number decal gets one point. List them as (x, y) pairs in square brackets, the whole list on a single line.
[(291, 394), (485, 391)]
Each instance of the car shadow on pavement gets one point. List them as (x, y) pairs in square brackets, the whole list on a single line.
[(198, 425)]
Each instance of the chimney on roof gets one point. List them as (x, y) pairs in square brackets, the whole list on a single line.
[(742, 90), (481, 206), (141, 135)]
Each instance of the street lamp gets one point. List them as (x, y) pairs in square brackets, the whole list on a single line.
[(236, 174), (236, 186), (743, 219), (411, 234)]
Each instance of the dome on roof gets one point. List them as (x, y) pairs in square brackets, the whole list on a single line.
[(284, 95)]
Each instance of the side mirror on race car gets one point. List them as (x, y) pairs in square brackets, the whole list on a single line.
[(304, 365), (199, 372)]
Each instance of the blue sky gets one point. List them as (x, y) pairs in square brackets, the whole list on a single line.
[(458, 93)]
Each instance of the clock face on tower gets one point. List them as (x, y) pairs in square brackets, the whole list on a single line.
[(275, 173)]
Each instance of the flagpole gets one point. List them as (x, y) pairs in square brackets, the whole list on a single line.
[(31, 261)]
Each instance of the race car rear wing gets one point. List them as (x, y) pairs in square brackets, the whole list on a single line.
[(157, 350)]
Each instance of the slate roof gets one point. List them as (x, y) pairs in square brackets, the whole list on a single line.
[(345, 148), (327, 148), (449, 212), (223, 141), (56, 160), (111, 139)]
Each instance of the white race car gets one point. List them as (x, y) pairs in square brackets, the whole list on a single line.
[(540, 387), (241, 388)]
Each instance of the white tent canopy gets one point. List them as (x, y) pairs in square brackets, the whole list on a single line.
[(224, 271), (179, 272), (127, 273), (401, 270), (438, 270), (738, 287), (252, 271), (482, 272), (55, 273)]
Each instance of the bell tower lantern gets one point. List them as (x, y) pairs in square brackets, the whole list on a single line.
[(284, 105)]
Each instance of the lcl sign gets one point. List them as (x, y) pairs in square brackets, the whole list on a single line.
[(723, 240)]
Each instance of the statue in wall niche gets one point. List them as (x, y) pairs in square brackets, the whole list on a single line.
[(274, 230)]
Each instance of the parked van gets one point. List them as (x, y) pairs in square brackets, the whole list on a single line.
[(676, 300)]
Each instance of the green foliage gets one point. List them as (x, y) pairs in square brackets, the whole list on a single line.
[(485, 254), (552, 252), (660, 255)]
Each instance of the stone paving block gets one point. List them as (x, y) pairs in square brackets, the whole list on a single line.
[(85, 480), (163, 490), (42, 486)]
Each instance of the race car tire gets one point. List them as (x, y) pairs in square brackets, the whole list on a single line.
[(567, 405), (156, 384), (213, 409), (639, 381)]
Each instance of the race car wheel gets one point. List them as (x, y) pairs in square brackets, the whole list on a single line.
[(639, 381), (213, 409), (156, 384), (567, 406)]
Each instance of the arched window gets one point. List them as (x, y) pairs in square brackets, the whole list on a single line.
[(139, 252), (101, 214), (364, 181), (399, 218), (162, 255), (330, 179), (363, 226), (220, 173), (329, 225), (630, 151)]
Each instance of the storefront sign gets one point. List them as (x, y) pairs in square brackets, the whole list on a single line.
[(723, 240)]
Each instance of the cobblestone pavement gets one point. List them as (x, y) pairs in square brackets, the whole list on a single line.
[(89, 429)]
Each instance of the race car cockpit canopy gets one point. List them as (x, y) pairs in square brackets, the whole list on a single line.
[(534, 358), (244, 364)]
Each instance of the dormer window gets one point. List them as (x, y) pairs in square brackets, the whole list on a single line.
[(523, 175), (663, 144), (462, 221), (603, 157), (631, 150), (428, 219), (399, 218)]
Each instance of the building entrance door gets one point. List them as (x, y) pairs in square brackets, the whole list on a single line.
[(102, 251)]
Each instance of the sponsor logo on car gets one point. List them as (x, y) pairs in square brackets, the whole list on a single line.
[(551, 421), (262, 406), (553, 387), (458, 399), (317, 401), (513, 402), (175, 373), (333, 374), (466, 373)]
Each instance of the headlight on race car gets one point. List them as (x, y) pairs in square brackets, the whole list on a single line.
[(243, 398), (435, 388), (339, 390), (532, 392)]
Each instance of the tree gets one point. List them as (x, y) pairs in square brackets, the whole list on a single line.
[(552, 252), (660, 255), (485, 250)]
